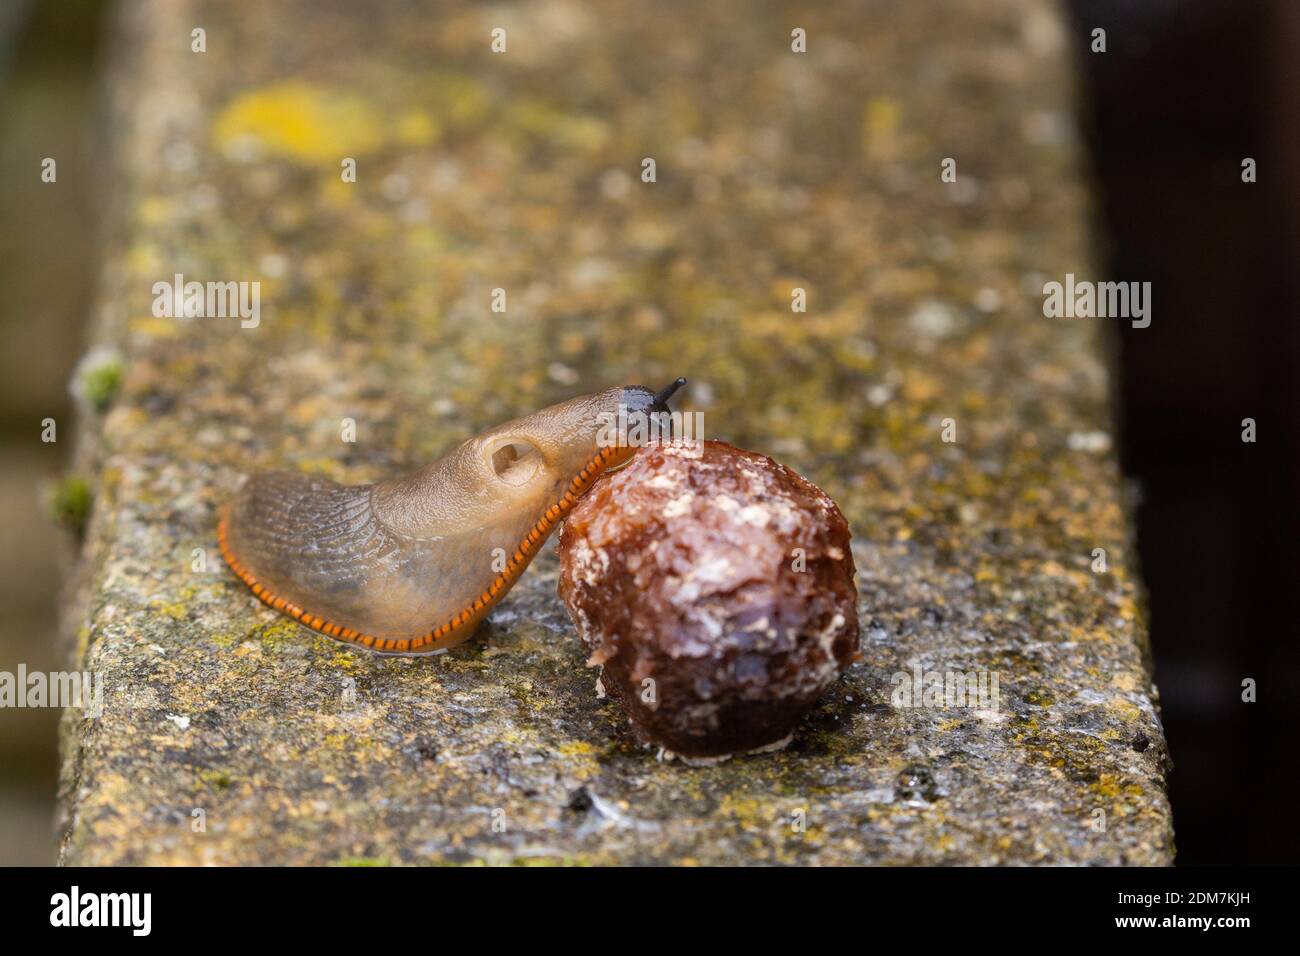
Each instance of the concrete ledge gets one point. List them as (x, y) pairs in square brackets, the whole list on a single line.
[(232, 735)]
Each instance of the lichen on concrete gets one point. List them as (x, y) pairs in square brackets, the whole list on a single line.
[(233, 735)]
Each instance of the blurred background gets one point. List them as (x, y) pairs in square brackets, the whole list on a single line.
[(1185, 91), (49, 90)]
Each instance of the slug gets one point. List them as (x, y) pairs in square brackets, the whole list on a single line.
[(413, 564)]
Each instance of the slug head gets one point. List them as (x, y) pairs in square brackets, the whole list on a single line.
[(521, 467), (547, 449)]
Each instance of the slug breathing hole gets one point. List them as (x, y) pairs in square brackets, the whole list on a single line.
[(515, 462)]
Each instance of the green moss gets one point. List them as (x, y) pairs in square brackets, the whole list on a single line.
[(218, 779), (70, 501), (100, 382), (363, 861)]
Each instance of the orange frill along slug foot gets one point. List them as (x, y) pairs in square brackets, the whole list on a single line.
[(463, 624)]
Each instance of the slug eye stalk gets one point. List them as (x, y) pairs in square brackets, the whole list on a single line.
[(661, 397)]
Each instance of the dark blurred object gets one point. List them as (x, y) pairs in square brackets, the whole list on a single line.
[(48, 108), (13, 17), (1186, 91)]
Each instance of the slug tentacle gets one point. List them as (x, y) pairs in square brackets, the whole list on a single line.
[(412, 565)]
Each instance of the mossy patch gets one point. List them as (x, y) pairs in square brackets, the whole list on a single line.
[(70, 501), (300, 122), (98, 378), (216, 779)]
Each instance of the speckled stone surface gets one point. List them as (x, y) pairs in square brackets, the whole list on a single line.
[(233, 735)]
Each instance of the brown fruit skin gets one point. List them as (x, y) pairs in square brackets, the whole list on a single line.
[(679, 568)]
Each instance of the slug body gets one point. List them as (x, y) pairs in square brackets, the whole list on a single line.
[(411, 565)]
